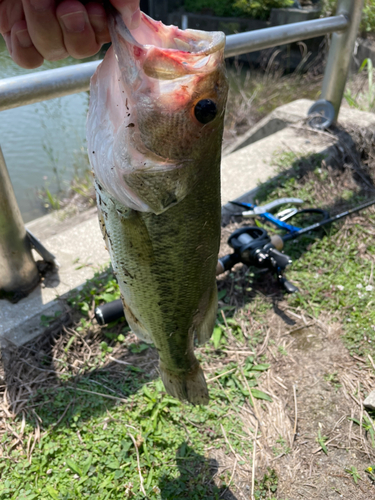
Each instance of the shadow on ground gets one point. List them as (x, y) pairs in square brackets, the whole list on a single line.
[(194, 478), (63, 373)]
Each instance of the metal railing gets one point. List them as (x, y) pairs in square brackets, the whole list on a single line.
[(31, 88)]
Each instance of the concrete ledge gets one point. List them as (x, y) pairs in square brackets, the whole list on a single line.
[(253, 164), (81, 252), (292, 113)]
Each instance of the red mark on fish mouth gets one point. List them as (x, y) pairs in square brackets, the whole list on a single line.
[(150, 22), (137, 51)]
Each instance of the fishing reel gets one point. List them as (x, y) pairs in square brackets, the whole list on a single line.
[(254, 247)]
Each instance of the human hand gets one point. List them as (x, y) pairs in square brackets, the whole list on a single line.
[(35, 30)]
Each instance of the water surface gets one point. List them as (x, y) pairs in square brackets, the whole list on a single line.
[(43, 143)]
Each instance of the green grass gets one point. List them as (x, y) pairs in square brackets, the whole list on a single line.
[(94, 456), (95, 426), (331, 269)]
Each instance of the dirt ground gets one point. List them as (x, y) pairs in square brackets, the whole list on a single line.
[(315, 386)]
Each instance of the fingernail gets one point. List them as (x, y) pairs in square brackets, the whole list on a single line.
[(24, 39), (40, 5), (74, 22), (98, 22)]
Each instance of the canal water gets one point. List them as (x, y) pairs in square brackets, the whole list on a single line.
[(44, 143)]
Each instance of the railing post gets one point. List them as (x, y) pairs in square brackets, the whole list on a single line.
[(340, 54), (18, 271)]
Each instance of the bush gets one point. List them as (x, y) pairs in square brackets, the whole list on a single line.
[(255, 9), (216, 7), (260, 9), (368, 15)]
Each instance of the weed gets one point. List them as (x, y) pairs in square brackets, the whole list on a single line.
[(267, 485), (363, 99), (368, 17), (107, 461), (252, 95), (354, 473), (282, 448), (97, 423), (370, 471), (368, 426), (322, 440), (47, 320), (50, 200), (332, 276), (282, 350), (332, 379)]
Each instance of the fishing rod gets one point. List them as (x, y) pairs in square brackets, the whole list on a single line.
[(252, 246), (335, 218)]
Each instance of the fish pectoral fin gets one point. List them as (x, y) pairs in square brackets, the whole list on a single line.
[(102, 227), (205, 321), (136, 326), (190, 386), (161, 189)]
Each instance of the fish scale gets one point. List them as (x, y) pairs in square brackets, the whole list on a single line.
[(158, 190)]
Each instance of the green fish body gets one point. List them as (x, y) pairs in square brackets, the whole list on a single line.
[(154, 134)]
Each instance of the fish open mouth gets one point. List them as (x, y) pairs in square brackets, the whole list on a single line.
[(167, 52), (155, 33)]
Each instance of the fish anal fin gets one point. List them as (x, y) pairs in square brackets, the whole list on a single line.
[(135, 325), (186, 386), (206, 317)]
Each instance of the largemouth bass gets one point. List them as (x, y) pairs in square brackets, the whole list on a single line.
[(154, 137)]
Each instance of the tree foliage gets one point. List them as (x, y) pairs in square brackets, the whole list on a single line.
[(255, 9)]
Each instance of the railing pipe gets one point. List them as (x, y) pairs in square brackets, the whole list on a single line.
[(18, 271), (340, 54), (287, 33), (35, 87)]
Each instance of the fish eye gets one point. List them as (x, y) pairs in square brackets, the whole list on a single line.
[(205, 111)]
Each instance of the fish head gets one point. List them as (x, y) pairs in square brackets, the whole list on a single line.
[(166, 105)]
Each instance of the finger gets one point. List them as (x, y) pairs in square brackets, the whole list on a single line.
[(44, 29), (130, 12), (11, 11), (23, 51), (98, 21), (8, 42), (79, 37)]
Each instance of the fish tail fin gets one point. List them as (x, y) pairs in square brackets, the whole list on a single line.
[(205, 328), (190, 386)]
